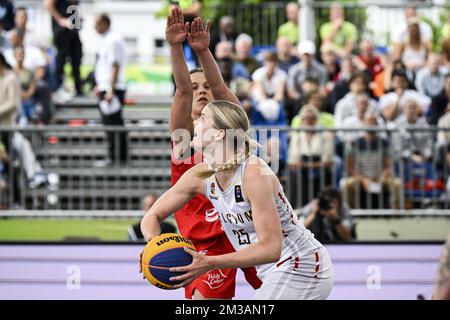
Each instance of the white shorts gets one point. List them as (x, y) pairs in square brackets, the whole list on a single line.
[(307, 277)]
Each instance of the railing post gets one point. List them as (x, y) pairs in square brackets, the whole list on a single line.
[(307, 20)]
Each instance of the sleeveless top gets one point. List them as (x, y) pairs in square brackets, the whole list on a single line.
[(235, 214)]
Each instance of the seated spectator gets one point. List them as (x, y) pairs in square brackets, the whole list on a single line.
[(234, 70), (442, 157), (331, 63), (225, 32), (341, 34), (243, 47), (391, 104), (36, 62), (284, 54), (368, 60), (414, 50), (306, 68), (431, 78), (439, 103), (401, 31), (28, 87), (341, 87), (291, 29), (268, 85), (328, 218), (310, 155), (346, 107), (316, 99), (356, 121), (412, 145), (369, 171), (31, 37)]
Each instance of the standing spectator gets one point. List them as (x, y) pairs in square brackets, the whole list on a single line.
[(6, 15), (310, 156), (431, 78), (291, 29), (414, 50), (346, 107), (31, 36), (284, 54), (368, 60), (341, 34), (439, 103), (110, 79), (226, 32), (66, 40), (306, 68), (328, 218), (391, 104), (34, 60), (369, 170), (400, 34), (243, 55)]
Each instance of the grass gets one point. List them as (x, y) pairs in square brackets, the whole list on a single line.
[(58, 229), (373, 229)]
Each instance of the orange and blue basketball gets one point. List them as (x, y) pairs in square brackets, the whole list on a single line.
[(162, 253)]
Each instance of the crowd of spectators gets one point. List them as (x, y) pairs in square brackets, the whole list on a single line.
[(348, 81), (343, 81)]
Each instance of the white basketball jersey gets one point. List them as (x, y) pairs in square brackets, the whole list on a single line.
[(236, 217)]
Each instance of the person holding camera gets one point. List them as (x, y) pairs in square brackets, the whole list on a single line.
[(327, 217)]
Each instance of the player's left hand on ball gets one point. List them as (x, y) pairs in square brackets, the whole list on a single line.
[(200, 265)]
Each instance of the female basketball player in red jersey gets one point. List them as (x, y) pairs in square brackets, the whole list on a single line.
[(197, 220), (254, 212)]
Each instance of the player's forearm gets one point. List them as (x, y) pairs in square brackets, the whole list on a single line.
[(255, 254), (115, 76), (50, 6), (180, 70), (150, 226), (212, 74)]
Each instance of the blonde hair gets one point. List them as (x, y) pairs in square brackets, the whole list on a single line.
[(229, 116)]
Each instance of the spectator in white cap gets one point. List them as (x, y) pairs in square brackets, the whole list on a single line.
[(307, 68)]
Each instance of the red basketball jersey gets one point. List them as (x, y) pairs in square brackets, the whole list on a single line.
[(197, 220)]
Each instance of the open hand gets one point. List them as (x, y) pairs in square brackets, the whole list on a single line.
[(198, 38), (176, 29), (200, 265)]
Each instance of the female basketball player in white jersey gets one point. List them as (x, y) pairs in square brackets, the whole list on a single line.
[(253, 210)]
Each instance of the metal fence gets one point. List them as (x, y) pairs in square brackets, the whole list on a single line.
[(69, 157)]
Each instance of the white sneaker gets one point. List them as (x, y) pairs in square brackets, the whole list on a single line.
[(38, 180)]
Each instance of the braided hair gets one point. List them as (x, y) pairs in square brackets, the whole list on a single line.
[(229, 116)]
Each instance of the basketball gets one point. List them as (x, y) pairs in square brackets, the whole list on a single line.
[(162, 253)]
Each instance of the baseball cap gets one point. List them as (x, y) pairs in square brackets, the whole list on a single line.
[(307, 47)]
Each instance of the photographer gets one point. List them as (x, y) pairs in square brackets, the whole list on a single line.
[(328, 218)]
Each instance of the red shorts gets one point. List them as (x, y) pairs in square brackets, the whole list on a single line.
[(217, 284)]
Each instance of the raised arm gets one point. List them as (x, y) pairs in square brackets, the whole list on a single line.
[(172, 200), (198, 39), (180, 112)]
